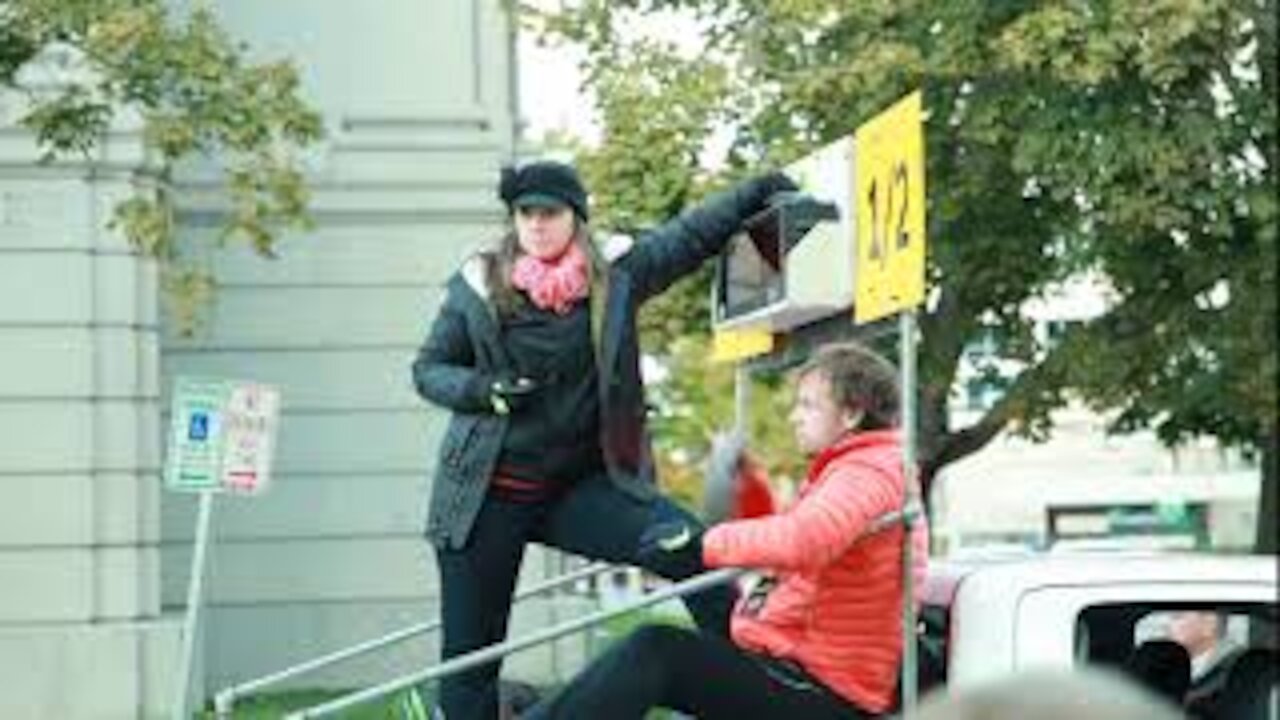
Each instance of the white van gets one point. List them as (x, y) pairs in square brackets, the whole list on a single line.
[(986, 618)]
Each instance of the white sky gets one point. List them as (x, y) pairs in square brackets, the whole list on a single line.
[(550, 96), (549, 80)]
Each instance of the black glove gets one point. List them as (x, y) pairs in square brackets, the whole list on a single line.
[(664, 541), (510, 395)]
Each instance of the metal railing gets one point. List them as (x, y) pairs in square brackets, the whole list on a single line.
[(896, 518), (494, 652), (224, 700)]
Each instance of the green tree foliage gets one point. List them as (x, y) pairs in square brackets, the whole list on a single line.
[(197, 95), (1132, 140)]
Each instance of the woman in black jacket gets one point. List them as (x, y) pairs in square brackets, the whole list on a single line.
[(535, 353)]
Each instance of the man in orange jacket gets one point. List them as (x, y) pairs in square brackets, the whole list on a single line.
[(818, 637)]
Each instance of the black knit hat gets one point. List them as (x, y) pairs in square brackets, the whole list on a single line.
[(544, 183)]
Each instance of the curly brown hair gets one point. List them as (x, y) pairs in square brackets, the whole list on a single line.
[(860, 380)]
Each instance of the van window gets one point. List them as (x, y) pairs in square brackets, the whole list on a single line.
[(1185, 652)]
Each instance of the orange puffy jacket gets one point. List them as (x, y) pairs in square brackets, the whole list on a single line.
[(834, 603)]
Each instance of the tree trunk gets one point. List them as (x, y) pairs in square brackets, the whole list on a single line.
[(1265, 541)]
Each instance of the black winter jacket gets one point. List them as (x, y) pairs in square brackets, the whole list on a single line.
[(463, 354)]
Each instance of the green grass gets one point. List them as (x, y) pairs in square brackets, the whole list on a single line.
[(273, 706), (623, 625)]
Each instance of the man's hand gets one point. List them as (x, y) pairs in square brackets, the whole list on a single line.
[(720, 484)]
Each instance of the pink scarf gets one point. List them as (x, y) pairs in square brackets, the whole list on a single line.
[(555, 284)]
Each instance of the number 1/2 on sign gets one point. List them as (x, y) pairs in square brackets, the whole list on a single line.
[(888, 206), (889, 196)]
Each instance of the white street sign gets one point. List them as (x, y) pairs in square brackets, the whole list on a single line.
[(195, 437), (249, 438), (222, 436)]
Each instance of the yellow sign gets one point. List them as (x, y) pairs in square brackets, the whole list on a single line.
[(889, 197), (733, 345)]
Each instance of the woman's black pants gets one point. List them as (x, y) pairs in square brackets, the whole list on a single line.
[(592, 519)]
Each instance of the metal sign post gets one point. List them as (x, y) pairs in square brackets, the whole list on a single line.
[(910, 503), (194, 464), (742, 400), (889, 186), (195, 599), (221, 439)]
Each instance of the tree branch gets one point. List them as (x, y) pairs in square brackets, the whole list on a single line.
[(1046, 374), (1121, 322), (956, 445)]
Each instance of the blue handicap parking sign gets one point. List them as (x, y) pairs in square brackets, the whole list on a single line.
[(198, 429)]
